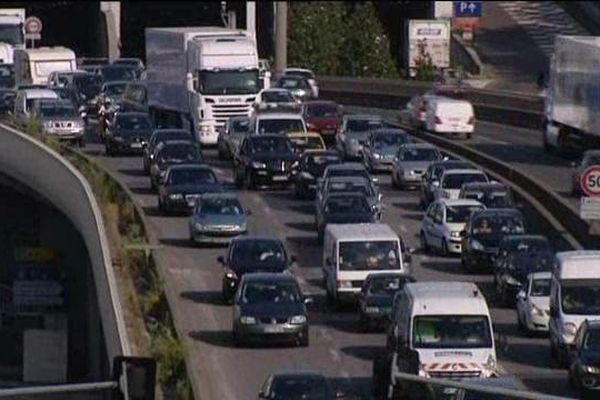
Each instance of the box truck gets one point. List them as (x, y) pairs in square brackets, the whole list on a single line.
[(431, 37)]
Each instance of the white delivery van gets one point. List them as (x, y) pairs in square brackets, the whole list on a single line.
[(25, 100), (442, 330), (574, 297), (33, 66), (445, 115), (353, 251)]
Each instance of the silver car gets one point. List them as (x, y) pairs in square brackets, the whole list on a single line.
[(353, 184), (217, 218), (62, 120), (590, 157), (381, 148), (355, 132), (411, 162)]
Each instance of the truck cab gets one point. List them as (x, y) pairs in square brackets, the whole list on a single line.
[(33, 66), (12, 33)]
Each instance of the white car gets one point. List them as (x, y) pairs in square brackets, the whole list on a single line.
[(443, 222), (452, 180), (275, 99), (306, 74), (276, 123), (533, 303)]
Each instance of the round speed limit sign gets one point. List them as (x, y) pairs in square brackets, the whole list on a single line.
[(590, 181)]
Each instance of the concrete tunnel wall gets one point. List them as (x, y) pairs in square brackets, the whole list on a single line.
[(48, 173)]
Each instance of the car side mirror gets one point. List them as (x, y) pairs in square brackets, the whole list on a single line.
[(379, 197), (435, 183), (308, 300), (221, 260), (521, 295), (375, 180)]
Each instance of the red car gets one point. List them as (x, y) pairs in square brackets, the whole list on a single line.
[(324, 117)]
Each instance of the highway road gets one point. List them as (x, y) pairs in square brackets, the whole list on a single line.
[(337, 346)]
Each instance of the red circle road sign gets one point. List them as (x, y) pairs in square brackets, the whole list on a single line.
[(590, 181), (33, 25)]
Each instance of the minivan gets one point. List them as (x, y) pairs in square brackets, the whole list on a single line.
[(445, 115)]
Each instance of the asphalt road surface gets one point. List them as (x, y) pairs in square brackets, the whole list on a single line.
[(337, 346)]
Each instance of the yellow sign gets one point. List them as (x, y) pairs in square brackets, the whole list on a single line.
[(35, 254)]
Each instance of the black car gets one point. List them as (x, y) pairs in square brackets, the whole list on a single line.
[(87, 86), (118, 73), (483, 233), (250, 254), (510, 275), (343, 208), (430, 180), (376, 297), (490, 194), (297, 385), (159, 136), (173, 152), (183, 184), (128, 133), (584, 369), (263, 160), (7, 100), (270, 306), (513, 243), (311, 167), (135, 63)]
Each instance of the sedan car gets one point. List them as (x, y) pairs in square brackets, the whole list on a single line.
[(173, 152), (159, 136), (297, 85), (129, 133), (533, 303), (353, 184), (311, 166), (443, 223), (297, 385), (231, 136), (584, 369), (343, 169), (183, 184), (343, 208), (251, 254), (452, 181), (354, 133), (217, 218), (431, 178), (380, 150), (270, 306), (411, 162), (589, 158), (376, 297), (264, 160), (492, 194), (62, 120), (324, 117), (483, 233)]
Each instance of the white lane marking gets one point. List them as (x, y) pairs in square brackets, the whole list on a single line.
[(490, 140), (335, 355)]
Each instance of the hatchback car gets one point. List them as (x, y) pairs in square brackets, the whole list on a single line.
[(251, 254), (217, 218), (276, 99), (311, 166), (159, 136), (589, 158), (515, 243), (431, 178), (129, 133), (270, 306), (353, 184), (484, 232), (343, 169), (443, 223), (452, 181), (323, 117), (411, 162), (183, 184), (533, 303), (354, 133), (491, 194), (380, 150), (302, 141), (172, 152), (343, 208), (297, 385), (584, 369)]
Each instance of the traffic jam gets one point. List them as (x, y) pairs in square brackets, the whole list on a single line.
[(283, 139)]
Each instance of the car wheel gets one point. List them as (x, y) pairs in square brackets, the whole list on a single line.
[(445, 251), (424, 244)]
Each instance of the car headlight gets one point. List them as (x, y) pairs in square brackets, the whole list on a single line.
[(176, 196), (590, 369), (476, 245), (372, 310), (298, 320), (199, 226), (489, 368), (230, 274), (247, 320), (48, 124), (569, 329), (377, 156), (258, 165), (455, 234), (535, 310), (344, 284), (295, 164)]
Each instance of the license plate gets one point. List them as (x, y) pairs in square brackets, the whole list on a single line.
[(328, 131), (280, 178), (136, 145), (273, 329)]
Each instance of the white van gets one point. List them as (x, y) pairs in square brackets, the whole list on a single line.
[(445, 115), (32, 66), (353, 251), (442, 330), (25, 102), (574, 297)]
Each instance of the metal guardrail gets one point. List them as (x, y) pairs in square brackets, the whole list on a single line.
[(59, 389)]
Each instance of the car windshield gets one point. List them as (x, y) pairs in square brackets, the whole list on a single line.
[(133, 123), (369, 255), (307, 142), (322, 111), (115, 90), (293, 83), (580, 297), (180, 152), (391, 140), (352, 187), (271, 292), (363, 125), (592, 340), (120, 73), (222, 82), (346, 205), (11, 34), (261, 145), (451, 332), (64, 110), (491, 198), (198, 176), (417, 154), (277, 96), (540, 287), (498, 225), (316, 163), (65, 94), (385, 285), (439, 169), (88, 85), (221, 207), (349, 172), (300, 388), (532, 261), (455, 181), (460, 214), (263, 253), (280, 126)]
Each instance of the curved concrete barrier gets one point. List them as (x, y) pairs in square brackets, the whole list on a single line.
[(48, 173)]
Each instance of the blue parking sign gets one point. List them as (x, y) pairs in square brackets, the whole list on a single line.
[(468, 9)]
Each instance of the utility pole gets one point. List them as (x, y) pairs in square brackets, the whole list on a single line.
[(251, 18), (280, 38)]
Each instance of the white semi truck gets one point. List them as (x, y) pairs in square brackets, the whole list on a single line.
[(207, 74), (12, 33), (572, 103)]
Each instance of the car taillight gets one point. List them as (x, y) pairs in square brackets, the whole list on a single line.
[(471, 120), (438, 120)]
